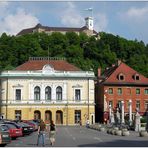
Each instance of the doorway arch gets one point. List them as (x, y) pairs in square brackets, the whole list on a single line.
[(59, 117), (37, 115), (48, 116)]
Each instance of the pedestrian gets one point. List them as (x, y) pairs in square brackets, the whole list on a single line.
[(41, 133), (87, 123), (80, 123), (52, 133)]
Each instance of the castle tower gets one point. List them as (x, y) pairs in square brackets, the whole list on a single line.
[(89, 23)]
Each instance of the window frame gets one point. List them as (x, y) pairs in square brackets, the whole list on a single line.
[(77, 116), (146, 104), (37, 93), (146, 91), (138, 104), (136, 91), (110, 91), (48, 93), (16, 95), (59, 93), (78, 98), (119, 93)]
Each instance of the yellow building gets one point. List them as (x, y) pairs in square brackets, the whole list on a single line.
[(43, 88)]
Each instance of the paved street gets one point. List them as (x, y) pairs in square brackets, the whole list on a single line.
[(82, 137)]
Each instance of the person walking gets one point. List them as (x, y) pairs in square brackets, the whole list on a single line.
[(52, 133), (41, 133)]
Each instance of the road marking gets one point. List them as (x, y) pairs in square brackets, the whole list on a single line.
[(96, 138)]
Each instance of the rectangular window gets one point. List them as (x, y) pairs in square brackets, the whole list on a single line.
[(110, 91), (129, 91), (17, 114), (137, 91), (127, 104), (146, 91), (138, 105), (77, 116), (119, 104), (111, 103), (77, 94), (119, 91), (146, 104), (18, 94)]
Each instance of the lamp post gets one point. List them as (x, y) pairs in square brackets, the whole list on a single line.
[(130, 112), (110, 111), (122, 112)]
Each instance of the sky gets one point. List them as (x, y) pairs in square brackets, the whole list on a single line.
[(126, 19)]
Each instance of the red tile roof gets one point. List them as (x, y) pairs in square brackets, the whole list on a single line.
[(111, 75), (59, 65)]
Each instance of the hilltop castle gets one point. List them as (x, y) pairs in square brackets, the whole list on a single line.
[(88, 29)]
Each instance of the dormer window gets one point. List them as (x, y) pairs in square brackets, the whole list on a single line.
[(121, 77), (136, 77)]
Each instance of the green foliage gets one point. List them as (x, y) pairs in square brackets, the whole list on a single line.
[(143, 119), (87, 53)]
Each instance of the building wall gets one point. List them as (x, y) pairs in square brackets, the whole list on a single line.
[(126, 96), (68, 105)]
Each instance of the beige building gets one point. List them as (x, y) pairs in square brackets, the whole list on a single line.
[(43, 88)]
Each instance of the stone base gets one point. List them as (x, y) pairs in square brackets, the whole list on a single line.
[(143, 134), (125, 133)]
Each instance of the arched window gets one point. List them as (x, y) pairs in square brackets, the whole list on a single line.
[(37, 93), (121, 77), (58, 93), (48, 93), (136, 77)]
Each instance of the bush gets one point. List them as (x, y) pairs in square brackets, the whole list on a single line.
[(143, 119)]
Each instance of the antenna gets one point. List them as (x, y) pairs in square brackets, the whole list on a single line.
[(90, 10)]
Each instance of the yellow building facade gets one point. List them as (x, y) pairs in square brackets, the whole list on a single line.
[(49, 90)]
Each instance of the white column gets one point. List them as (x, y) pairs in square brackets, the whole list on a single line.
[(122, 112), (130, 111), (53, 92), (110, 111), (42, 92), (64, 91)]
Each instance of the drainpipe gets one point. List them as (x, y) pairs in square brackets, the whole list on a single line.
[(7, 99), (88, 99)]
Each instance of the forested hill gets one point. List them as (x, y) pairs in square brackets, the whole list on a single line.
[(85, 52)]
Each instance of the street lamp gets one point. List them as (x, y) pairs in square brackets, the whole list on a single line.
[(130, 112), (110, 111), (122, 112)]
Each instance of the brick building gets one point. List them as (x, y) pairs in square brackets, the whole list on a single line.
[(120, 83)]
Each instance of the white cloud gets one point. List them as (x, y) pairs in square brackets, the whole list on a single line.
[(136, 20), (133, 14), (3, 8), (100, 22), (13, 23), (71, 17)]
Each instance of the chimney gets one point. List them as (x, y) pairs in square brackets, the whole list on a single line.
[(99, 72), (119, 62)]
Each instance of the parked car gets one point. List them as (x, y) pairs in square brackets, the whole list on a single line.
[(4, 135), (31, 123), (14, 131), (26, 128)]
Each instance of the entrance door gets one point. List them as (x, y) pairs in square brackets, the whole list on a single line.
[(59, 117), (37, 115), (48, 116)]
